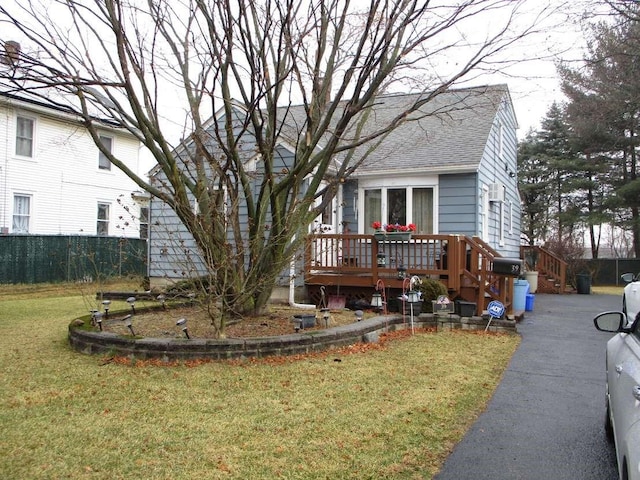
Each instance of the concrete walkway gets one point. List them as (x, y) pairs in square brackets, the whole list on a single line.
[(545, 420)]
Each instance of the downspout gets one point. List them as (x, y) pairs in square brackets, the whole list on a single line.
[(292, 289)]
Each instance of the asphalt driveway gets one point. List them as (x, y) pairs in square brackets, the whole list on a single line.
[(545, 420)]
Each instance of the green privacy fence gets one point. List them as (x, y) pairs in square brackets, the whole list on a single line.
[(47, 258)]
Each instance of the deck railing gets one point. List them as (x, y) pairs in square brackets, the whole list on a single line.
[(552, 269), (463, 264)]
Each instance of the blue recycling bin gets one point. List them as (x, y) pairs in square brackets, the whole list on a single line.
[(531, 298), (520, 290)]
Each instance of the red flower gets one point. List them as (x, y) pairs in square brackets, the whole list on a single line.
[(394, 227)]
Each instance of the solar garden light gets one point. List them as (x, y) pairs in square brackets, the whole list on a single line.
[(93, 317), (378, 300), (182, 323), (297, 324), (106, 304), (325, 316), (127, 323), (162, 298), (132, 301), (98, 319), (359, 314), (402, 272)]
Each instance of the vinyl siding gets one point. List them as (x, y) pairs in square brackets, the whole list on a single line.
[(63, 178)]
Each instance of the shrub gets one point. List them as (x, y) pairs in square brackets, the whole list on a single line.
[(431, 289)]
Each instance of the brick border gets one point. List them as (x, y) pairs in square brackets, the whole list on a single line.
[(86, 340)]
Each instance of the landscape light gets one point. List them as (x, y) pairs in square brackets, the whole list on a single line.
[(182, 323), (132, 301), (402, 272), (162, 298), (127, 323), (106, 304), (376, 301), (359, 314), (98, 319), (325, 316)]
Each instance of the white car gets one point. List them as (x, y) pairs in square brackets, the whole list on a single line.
[(631, 296), (622, 420)]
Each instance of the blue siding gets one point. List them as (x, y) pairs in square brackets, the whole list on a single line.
[(457, 213)]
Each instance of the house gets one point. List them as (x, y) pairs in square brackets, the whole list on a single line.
[(451, 170), (55, 181)]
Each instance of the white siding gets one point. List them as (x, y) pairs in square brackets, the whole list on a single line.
[(63, 178)]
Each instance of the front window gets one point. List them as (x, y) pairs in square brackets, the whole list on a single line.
[(103, 161), (103, 219), (24, 136), (21, 213), (144, 222), (401, 206)]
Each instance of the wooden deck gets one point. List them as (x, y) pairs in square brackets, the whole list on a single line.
[(352, 265)]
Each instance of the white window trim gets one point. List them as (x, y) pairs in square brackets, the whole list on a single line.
[(107, 221), (510, 217), (33, 139), (30, 214), (383, 184), (483, 206), (113, 141), (501, 228)]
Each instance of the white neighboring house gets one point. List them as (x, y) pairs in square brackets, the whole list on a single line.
[(55, 181)]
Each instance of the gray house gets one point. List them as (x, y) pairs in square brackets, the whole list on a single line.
[(450, 169)]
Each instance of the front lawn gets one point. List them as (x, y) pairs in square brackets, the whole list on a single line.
[(392, 412)]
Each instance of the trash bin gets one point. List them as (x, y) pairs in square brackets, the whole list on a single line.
[(583, 283), (531, 298), (520, 290)]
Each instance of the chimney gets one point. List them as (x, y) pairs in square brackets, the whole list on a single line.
[(11, 53)]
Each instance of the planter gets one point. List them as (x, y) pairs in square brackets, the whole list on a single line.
[(392, 236), (532, 278), (442, 308), (305, 320)]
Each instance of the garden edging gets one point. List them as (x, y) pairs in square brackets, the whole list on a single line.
[(88, 341)]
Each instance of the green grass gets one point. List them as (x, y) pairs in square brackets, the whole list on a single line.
[(393, 412)]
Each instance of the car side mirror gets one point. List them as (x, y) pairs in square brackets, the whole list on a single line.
[(628, 277), (611, 322)]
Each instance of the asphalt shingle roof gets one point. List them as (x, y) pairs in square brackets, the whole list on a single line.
[(448, 132)]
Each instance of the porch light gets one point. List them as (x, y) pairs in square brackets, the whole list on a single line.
[(381, 259), (127, 323), (106, 304), (325, 316), (132, 301), (402, 272), (182, 323)]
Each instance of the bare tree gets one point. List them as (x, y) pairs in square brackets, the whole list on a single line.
[(161, 67)]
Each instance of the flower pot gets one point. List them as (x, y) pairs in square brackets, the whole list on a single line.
[(392, 236)]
